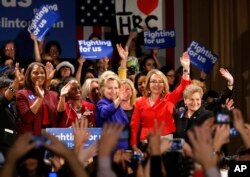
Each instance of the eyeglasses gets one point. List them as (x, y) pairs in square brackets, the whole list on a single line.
[(156, 82), (9, 49), (173, 76)]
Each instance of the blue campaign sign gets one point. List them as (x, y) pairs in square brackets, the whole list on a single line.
[(66, 135), (201, 57), (160, 39), (44, 20), (16, 16), (95, 49)]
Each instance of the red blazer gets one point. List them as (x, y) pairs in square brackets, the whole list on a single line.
[(162, 110), (69, 115), (30, 122)]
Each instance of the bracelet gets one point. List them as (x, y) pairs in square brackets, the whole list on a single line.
[(12, 89), (186, 71)]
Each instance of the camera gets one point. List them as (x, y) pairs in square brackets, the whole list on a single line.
[(224, 116), (177, 144), (131, 70)]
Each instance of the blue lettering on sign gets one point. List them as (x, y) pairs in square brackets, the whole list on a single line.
[(160, 39), (201, 57), (67, 137), (95, 49), (43, 21)]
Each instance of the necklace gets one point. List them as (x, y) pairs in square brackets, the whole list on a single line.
[(77, 110), (151, 102)]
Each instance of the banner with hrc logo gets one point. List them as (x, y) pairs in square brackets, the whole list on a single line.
[(201, 57), (138, 15)]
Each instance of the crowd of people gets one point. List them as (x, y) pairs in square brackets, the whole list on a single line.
[(155, 106)]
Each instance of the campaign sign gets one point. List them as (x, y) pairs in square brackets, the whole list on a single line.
[(95, 49), (16, 16), (66, 135), (160, 39), (44, 20), (201, 57)]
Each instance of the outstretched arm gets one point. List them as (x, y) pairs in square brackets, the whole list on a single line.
[(185, 62), (228, 76), (81, 61)]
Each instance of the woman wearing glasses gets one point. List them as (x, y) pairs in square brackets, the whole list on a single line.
[(157, 103)]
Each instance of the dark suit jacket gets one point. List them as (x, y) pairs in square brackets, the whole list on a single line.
[(30, 122)]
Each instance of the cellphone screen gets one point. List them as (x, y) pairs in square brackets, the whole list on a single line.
[(177, 145), (223, 118), (124, 135), (52, 174)]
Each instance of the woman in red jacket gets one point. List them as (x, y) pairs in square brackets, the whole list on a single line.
[(72, 107), (36, 106), (157, 103)]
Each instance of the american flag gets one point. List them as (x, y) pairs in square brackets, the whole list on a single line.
[(95, 16), (89, 21)]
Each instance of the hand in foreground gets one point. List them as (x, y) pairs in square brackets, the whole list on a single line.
[(154, 144), (110, 135), (202, 146)]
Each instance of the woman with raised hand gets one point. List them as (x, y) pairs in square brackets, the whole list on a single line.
[(36, 106), (72, 107), (157, 103)]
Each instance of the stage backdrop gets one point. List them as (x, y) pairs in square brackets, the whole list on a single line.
[(16, 16)]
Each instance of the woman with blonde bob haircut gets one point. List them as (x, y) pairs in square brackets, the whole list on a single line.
[(90, 90), (194, 113), (157, 103)]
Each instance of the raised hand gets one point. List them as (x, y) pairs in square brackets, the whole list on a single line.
[(228, 76), (81, 60), (86, 153), (123, 52), (33, 37), (65, 90), (19, 73), (39, 91), (110, 135), (50, 70), (154, 144), (22, 145), (229, 104), (202, 146), (80, 135), (185, 60)]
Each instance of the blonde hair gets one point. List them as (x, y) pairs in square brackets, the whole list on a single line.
[(86, 87), (107, 75), (191, 89), (160, 75), (131, 85)]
